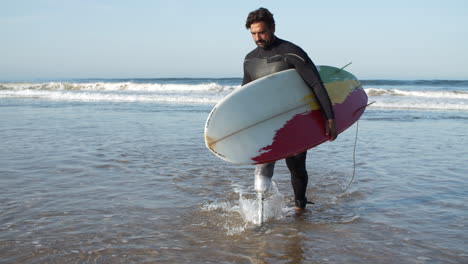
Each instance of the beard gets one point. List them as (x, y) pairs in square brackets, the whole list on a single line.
[(260, 43), (263, 44)]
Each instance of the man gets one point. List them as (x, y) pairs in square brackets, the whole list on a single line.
[(273, 55)]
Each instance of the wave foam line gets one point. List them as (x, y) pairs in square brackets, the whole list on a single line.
[(120, 86), (425, 94), (108, 97)]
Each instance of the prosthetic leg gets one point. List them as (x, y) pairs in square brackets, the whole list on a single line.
[(263, 175)]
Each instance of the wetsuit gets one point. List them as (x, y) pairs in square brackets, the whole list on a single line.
[(279, 56)]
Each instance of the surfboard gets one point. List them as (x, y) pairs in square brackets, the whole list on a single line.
[(277, 116)]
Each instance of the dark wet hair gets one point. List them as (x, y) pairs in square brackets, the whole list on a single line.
[(261, 14)]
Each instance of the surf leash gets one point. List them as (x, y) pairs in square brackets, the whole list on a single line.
[(354, 151), (354, 159)]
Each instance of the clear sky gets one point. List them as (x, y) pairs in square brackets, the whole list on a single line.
[(398, 39)]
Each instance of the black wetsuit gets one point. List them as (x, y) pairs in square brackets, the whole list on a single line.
[(279, 56)]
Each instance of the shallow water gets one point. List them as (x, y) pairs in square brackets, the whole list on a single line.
[(133, 183)]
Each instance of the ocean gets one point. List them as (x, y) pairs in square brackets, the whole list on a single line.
[(116, 171)]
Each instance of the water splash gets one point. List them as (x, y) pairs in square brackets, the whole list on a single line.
[(243, 214), (274, 206)]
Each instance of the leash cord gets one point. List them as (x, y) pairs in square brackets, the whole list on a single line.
[(354, 159)]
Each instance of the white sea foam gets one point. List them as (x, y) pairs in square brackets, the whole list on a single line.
[(111, 97), (120, 86), (184, 93), (211, 91), (424, 94), (418, 100)]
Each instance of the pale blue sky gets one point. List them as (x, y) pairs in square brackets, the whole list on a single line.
[(398, 39)]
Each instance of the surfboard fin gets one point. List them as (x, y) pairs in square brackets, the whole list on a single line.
[(357, 110), (340, 69)]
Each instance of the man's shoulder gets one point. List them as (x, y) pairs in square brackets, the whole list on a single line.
[(288, 46), (251, 54), (292, 50)]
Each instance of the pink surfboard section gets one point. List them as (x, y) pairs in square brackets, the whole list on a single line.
[(307, 130)]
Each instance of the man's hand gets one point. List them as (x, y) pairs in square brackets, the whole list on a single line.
[(330, 129)]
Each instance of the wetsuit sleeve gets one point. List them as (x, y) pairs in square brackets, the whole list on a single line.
[(247, 77), (306, 68)]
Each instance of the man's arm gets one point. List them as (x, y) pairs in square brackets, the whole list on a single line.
[(306, 68)]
